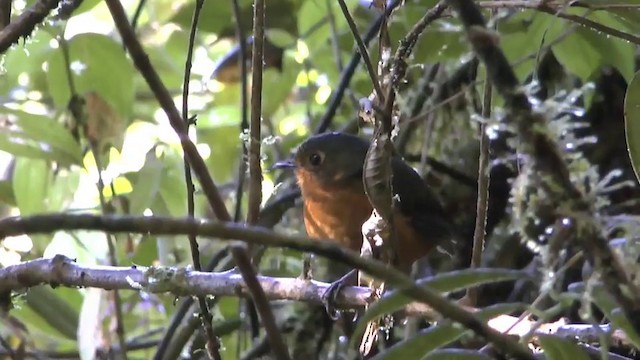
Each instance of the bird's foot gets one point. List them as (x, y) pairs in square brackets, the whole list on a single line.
[(331, 294)]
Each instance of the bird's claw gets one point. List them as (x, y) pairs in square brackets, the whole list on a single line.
[(330, 297)]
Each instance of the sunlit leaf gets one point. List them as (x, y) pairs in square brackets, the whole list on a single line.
[(96, 63), (39, 137), (31, 181)]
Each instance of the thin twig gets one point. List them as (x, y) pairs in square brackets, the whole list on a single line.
[(362, 48), (244, 118), (14, 226), (263, 308), (244, 130), (482, 202), (212, 340), (137, 13), (23, 25), (255, 138)]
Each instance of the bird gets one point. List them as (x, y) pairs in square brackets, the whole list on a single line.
[(329, 171), (329, 168)]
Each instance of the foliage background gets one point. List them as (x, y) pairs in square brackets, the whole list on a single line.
[(47, 167)]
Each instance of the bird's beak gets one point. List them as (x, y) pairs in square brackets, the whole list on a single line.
[(285, 164)]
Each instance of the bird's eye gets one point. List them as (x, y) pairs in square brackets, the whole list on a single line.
[(315, 159)]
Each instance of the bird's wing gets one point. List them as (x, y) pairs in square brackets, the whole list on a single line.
[(422, 207)]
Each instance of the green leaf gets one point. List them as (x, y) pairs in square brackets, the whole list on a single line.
[(607, 304), (280, 38), (276, 96), (446, 282), (224, 142), (42, 137), (585, 50), (632, 122), (435, 337), (146, 184), (314, 28), (146, 251), (557, 348), (424, 342), (54, 309), (31, 181), (6, 193), (25, 60), (99, 64)]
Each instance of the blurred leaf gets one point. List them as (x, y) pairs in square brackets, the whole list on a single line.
[(557, 348), (280, 38), (146, 252), (6, 193), (25, 60), (425, 341), (168, 60), (172, 185), (276, 96), (213, 17), (632, 122), (62, 190), (522, 36), (609, 307), (446, 282), (314, 27), (97, 64), (146, 184), (31, 181), (104, 126), (224, 142), (54, 309), (39, 137), (421, 344), (585, 50)]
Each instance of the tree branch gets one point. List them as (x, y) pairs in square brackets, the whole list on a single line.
[(24, 25)]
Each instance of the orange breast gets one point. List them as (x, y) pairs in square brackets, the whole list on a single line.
[(338, 217)]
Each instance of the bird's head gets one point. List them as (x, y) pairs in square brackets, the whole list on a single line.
[(327, 160)]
